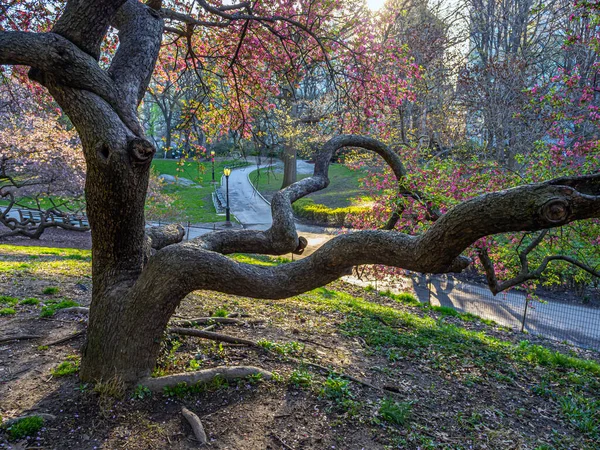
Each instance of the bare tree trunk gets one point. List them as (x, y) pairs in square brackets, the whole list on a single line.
[(290, 167)]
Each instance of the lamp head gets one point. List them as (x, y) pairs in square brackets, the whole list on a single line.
[(227, 171)]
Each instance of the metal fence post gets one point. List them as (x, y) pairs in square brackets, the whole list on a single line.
[(188, 231), (524, 314), (428, 280)]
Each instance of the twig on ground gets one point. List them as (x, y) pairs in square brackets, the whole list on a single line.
[(212, 336), (196, 425), (317, 343), (278, 439), (209, 328), (65, 339), (206, 320), (18, 337)]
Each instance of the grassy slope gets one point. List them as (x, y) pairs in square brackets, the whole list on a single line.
[(191, 203), (462, 383), (344, 189)]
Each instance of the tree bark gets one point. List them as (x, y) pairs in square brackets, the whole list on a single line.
[(290, 167)]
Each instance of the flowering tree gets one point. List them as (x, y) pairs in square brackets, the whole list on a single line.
[(41, 168), (139, 278), (566, 107)]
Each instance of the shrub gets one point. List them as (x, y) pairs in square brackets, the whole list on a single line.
[(306, 208)]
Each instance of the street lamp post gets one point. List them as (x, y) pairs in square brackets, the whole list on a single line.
[(227, 172), (212, 157)]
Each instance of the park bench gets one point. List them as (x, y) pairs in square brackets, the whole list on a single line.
[(36, 217), (219, 200)]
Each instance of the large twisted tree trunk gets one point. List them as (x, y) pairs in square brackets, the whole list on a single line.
[(140, 277)]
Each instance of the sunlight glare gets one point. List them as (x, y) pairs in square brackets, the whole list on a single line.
[(375, 5)]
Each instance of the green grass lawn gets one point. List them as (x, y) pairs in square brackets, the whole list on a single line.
[(192, 204), (344, 189)]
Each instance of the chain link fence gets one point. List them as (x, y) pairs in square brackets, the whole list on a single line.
[(558, 320)]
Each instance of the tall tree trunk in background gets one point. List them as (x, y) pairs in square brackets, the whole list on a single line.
[(290, 166)]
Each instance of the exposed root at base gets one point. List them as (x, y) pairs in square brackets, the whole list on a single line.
[(204, 376), (196, 425)]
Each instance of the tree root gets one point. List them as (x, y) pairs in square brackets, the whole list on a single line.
[(204, 376), (74, 309), (65, 339), (206, 320), (212, 336), (196, 425), (234, 340), (18, 337)]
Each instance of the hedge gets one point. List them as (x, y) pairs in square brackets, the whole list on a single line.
[(307, 209)]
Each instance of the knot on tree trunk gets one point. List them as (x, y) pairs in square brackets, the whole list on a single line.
[(556, 210), (302, 243), (160, 237), (140, 150)]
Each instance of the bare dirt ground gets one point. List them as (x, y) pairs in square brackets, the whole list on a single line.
[(52, 237), (451, 382)]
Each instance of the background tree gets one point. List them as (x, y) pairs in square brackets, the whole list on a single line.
[(42, 170)]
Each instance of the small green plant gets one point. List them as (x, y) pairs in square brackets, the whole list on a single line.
[(5, 300), (66, 368), (141, 392), (288, 348), (25, 427), (193, 365), (30, 301), (82, 387), (7, 312), (395, 412), (276, 377), (301, 378), (50, 309), (336, 388), (255, 378), (221, 312), (42, 347), (583, 413), (51, 290)]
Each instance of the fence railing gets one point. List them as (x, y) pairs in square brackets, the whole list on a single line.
[(555, 319)]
